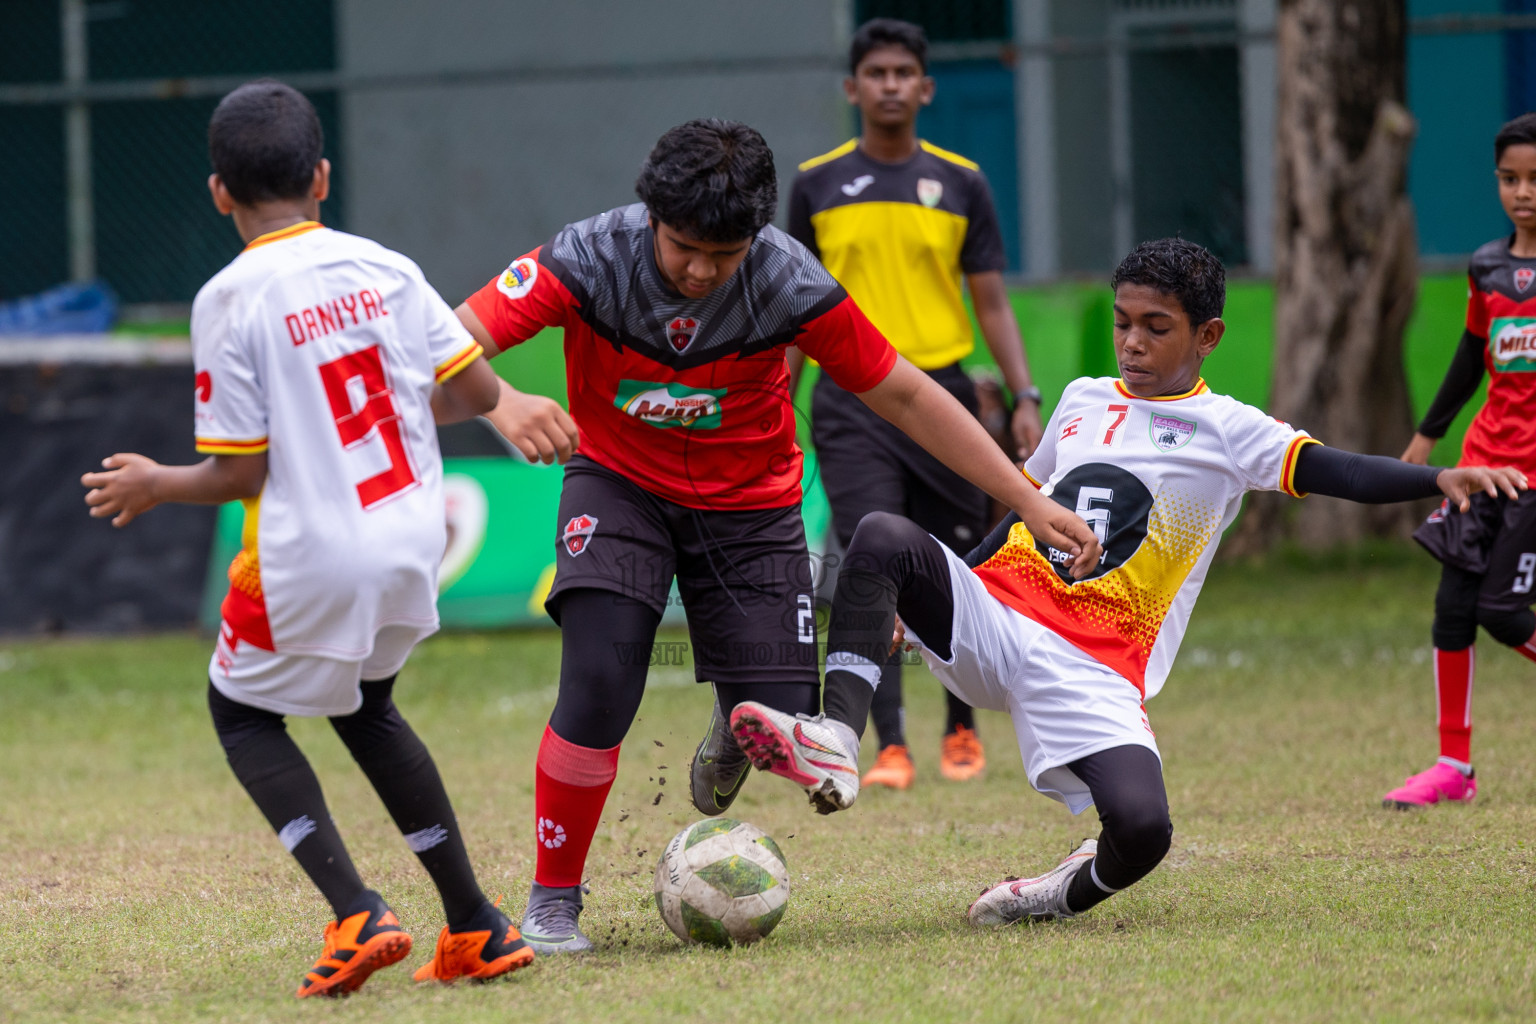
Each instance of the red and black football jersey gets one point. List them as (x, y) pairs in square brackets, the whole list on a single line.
[(1501, 308), (686, 397)]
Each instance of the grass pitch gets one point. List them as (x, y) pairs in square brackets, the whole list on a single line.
[(140, 884)]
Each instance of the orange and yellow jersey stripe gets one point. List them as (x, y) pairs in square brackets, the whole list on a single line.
[(456, 364), (231, 446), (292, 231)]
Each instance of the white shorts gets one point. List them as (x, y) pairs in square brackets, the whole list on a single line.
[(295, 684), (1064, 704)]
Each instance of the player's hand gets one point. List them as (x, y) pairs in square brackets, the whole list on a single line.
[(1027, 430), (1064, 531), (1418, 450), (125, 492), (898, 638), (1460, 484), (539, 428)]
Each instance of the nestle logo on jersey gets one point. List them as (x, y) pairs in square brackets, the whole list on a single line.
[(334, 315), (670, 404), (1513, 344)]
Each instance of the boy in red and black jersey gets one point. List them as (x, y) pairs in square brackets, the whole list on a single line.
[(1488, 556), (677, 312)]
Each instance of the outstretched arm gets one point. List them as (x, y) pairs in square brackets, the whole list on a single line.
[(1458, 387), (134, 484), (929, 415), (1376, 479), (471, 392), (538, 426)]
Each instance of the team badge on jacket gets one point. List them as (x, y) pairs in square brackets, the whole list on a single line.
[(578, 534), (929, 192), (1170, 432), (1523, 278), (681, 332)]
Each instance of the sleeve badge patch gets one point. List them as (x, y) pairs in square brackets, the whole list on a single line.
[(517, 280)]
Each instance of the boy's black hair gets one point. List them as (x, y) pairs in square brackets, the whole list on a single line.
[(878, 32), (713, 179), (265, 141), (1519, 132), (1181, 268)]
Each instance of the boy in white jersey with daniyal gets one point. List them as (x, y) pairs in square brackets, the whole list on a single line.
[(1157, 464), (323, 361)]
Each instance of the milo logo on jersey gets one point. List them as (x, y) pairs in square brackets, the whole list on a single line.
[(671, 404), (1512, 343)]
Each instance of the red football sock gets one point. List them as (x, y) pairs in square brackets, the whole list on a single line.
[(1453, 702), (570, 785), (1528, 648)]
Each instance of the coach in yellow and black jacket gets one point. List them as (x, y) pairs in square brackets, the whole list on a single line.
[(905, 226)]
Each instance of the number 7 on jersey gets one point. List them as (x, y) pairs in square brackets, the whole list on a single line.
[(377, 418), (1110, 434)]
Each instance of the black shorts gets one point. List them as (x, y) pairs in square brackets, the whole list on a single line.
[(744, 576), (1496, 539), (867, 465)]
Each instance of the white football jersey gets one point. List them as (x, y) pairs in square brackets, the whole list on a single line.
[(1158, 480), (321, 349)]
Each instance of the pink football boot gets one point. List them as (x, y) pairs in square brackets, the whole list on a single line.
[(1440, 782)]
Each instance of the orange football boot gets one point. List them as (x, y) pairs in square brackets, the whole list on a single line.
[(962, 757), (488, 947), (892, 768), (355, 947)]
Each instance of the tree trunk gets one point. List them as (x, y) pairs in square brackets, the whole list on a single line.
[(1345, 260)]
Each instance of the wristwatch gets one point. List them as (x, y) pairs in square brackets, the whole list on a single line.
[(1029, 394)]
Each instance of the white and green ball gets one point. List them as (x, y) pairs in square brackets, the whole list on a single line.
[(721, 881)]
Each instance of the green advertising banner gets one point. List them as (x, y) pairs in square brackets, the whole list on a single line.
[(500, 559)]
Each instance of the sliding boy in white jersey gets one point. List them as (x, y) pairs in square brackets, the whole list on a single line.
[(1157, 464), (322, 362)]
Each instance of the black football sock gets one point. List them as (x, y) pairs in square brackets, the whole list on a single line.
[(957, 713), (404, 775), (275, 773), (858, 643), (886, 709), (1127, 787)]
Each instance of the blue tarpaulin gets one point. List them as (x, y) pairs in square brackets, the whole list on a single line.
[(68, 309)]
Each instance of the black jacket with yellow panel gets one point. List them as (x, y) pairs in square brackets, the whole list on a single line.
[(900, 237)]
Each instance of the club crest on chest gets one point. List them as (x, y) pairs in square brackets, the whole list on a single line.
[(681, 330)]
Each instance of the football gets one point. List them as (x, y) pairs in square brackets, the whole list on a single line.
[(721, 882)]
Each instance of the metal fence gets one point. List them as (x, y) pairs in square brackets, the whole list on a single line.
[(106, 142), (1099, 122)]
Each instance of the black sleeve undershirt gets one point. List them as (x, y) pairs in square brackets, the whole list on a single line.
[(1460, 384), (1371, 479)]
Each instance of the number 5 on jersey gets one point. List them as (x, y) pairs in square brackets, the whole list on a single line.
[(375, 418)]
